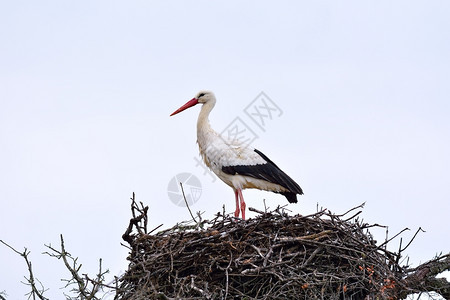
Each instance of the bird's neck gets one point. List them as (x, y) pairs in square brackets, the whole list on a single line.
[(203, 121), (205, 134)]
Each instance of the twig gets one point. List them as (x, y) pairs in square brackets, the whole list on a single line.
[(226, 275), (418, 230), (352, 209), (154, 229), (315, 237), (200, 291), (256, 210), (35, 292), (187, 205), (312, 256), (73, 269), (135, 221), (387, 241)]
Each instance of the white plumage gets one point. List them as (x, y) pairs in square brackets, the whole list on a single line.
[(235, 164)]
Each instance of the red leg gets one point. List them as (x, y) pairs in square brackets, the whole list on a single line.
[(236, 213), (242, 204)]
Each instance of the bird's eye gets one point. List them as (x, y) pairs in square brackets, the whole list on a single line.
[(201, 95)]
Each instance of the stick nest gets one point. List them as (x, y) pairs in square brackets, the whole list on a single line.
[(272, 256)]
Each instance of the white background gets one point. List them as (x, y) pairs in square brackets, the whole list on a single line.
[(86, 89)]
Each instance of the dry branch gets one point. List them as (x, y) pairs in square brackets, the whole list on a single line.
[(35, 292)]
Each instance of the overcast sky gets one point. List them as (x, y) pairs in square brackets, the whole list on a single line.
[(86, 89)]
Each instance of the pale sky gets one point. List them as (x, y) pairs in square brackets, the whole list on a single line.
[(86, 89)]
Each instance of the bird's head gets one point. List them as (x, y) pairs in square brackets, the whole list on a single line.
[(201, 97)]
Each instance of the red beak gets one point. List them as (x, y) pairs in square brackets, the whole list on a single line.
[(188, 104)]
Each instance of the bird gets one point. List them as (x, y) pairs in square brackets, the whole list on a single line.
[(239, 166)]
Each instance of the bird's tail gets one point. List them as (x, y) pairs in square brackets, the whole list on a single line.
[(291, 197)]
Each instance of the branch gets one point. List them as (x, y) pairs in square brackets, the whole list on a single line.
[(35, 292), (187, 204), (135, 221), (86, 288), (423, 278)]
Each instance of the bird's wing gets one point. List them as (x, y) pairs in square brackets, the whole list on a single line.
[(257, 165), (218, 152)]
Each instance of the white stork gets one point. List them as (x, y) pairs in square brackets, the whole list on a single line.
[(238, 166)]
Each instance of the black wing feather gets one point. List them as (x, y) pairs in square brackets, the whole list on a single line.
[(269, 172)]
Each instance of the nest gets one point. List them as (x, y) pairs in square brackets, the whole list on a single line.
[(272, 256)]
